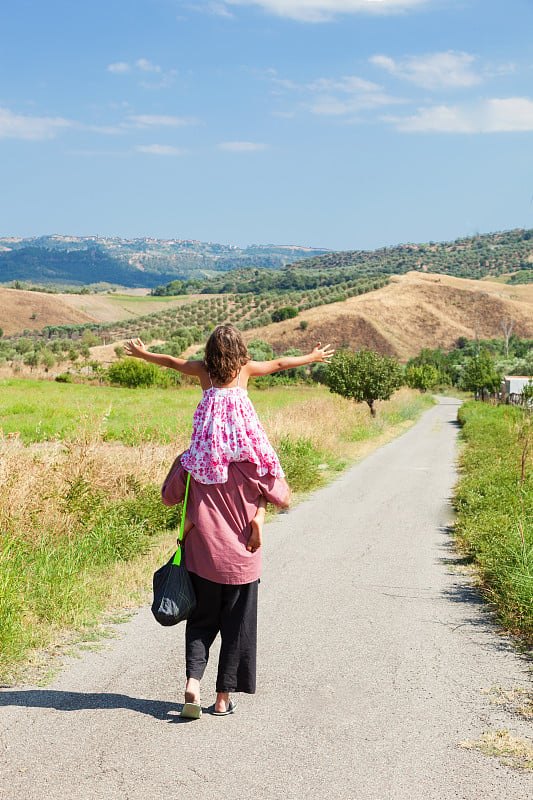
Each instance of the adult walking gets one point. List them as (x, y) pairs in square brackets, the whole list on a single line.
[(223, 556)]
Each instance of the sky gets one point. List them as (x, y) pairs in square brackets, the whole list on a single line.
[(342, 124)]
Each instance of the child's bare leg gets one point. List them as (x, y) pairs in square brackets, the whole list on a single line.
[(256, 537), (187, 526)]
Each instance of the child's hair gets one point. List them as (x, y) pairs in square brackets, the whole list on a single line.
[(225, 353)]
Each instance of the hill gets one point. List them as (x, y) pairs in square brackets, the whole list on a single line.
[(479, 256), (413, 311), (21, 310), (132, 262), (210, 267)]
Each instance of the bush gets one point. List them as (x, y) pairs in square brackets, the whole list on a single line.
[(300, 459), (133, 373), (285, 312), (65, 377)]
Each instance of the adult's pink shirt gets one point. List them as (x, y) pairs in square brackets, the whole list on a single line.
[(215, 547)]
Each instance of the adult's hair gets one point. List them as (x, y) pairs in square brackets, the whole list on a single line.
[(225, 353)]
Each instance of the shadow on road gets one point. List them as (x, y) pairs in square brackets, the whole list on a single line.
[(78, 701), (478, 614)]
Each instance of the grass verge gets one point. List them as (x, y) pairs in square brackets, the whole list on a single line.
[(81, 523), (494, 501)]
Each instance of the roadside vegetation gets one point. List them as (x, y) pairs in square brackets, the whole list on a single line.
[(473, 365), (494, 501)]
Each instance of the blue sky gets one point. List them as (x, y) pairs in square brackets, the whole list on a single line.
[(343, 124)]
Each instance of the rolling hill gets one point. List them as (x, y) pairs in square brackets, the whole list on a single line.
[(413, 311)]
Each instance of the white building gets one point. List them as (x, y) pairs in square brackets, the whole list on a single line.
[(512, 385)]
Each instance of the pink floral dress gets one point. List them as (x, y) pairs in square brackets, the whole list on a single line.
[(226, 428)]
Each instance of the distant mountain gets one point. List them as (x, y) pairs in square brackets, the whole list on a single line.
[(480, 256), (152, 263), (132, 262)]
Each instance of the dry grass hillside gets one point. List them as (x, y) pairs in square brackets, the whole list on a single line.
[(33, 310), (17, 307), (414, 311)]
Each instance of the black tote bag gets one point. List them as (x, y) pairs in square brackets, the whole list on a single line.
[(174, 597)]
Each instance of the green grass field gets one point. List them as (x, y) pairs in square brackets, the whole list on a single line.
[(39, 411)]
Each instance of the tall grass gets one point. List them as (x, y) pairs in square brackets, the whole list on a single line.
[(76, 507), (494, 500)]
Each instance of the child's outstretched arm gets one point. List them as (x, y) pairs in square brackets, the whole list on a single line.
[(137, 349), (324, 354)]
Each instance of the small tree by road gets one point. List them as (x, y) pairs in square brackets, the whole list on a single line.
[(422, 377), (480, 373), (364, 376)]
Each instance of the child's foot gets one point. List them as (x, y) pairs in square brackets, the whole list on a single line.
[(256, 537)]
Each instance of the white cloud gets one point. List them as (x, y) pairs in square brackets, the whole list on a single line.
[(219, 9), (161, 150), (146, 66), (325, 10), (447, 70), (337, 96), (346, 95), (242, 147), (142, 66), (120, 67), (21, 126), (158, 120), (496, 115), (91, 153)]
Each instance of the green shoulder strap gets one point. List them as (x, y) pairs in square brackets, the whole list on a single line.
[(177, 557)]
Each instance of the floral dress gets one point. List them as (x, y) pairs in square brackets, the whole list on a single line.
[(226, 428)]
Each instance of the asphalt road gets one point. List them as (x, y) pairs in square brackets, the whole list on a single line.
[(374, 654)]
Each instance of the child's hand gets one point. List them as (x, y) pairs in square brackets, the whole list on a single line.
[(324, 354), (135, 348)]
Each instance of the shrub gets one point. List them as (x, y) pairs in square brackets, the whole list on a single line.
[(133, 373), (285, 312), (300, 459)]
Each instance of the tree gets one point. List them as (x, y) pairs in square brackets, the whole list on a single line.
[(47, 359), (364, 376), (480, 373), (422, 377), (31, 359), (527, 394), (507, 325)]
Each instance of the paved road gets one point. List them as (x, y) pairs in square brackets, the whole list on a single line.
[(374, 655)]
